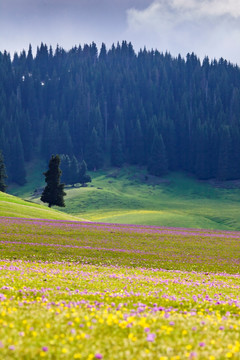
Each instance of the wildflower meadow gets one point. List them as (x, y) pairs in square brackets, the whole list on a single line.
[(75, 290)]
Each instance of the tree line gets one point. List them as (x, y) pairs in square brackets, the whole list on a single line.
[(117, 106)]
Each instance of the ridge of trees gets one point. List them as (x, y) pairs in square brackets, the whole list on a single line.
[(95, 104)]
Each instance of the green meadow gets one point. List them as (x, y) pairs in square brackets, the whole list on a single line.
[(88, 290), (16, 207), (72, 290), (130, 196)]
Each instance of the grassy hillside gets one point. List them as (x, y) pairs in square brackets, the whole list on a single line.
[(16, 207), (130, 196), (179, 201)]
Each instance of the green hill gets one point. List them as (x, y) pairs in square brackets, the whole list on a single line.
[(15, 207), (129, 195)]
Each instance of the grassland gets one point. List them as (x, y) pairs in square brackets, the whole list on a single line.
[(16, 207), (131, 196), (88, 290), (72, 290)]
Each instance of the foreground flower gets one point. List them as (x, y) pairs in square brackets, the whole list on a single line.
[(151, 337), (98, 356)]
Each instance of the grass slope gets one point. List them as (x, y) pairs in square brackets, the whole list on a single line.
[(126, 196), (178, 201), (15, 207)]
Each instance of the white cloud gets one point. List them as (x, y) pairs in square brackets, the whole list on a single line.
[(207, 27), (208, 7), (186, 9)]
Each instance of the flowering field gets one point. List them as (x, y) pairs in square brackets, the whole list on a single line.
[(73, 290)]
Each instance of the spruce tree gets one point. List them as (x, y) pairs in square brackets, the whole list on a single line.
[(137, 149), (17, 161), (158, 164), (54, 191), (83, 176), (66, 168), (224, 160), (3, 174), (74, 169), (94, 155), (116, 149)]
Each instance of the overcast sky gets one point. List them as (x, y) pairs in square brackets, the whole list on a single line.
[(205, 27)]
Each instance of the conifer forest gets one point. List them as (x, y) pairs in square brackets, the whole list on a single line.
[(115, 106)]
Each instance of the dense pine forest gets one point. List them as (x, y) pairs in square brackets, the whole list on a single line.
[(110, 107)]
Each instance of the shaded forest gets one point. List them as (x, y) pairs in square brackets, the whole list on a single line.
[(119, 106)]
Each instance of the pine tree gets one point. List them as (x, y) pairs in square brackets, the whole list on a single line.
[(203, 154), (17, 161), (3, 174), (74, 169), (116, 149), (29, 59), (94, 155), (65, 141), (158, 164), (224, 160), (54, 191), (82, 176), (66, 168), (137, 149)]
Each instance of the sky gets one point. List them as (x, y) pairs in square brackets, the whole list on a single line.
[(206, 27)]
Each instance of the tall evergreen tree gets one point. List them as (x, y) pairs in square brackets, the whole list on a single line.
[(116, 149), (17, 161), (66, 168), (224, 155), (94, 154), (158, 164), (137, 147), (54, 191), (3, 174), (74, 170), (203, 154), (83, 177)]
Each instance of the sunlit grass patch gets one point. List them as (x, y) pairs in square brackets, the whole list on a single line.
[(121, 196), (13, 206)]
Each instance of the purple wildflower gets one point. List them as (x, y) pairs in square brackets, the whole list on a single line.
[(151, 337), (193, 355), (98, 356)]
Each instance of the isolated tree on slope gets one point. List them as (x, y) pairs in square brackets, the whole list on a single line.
[(3, 175), (54, 191)]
